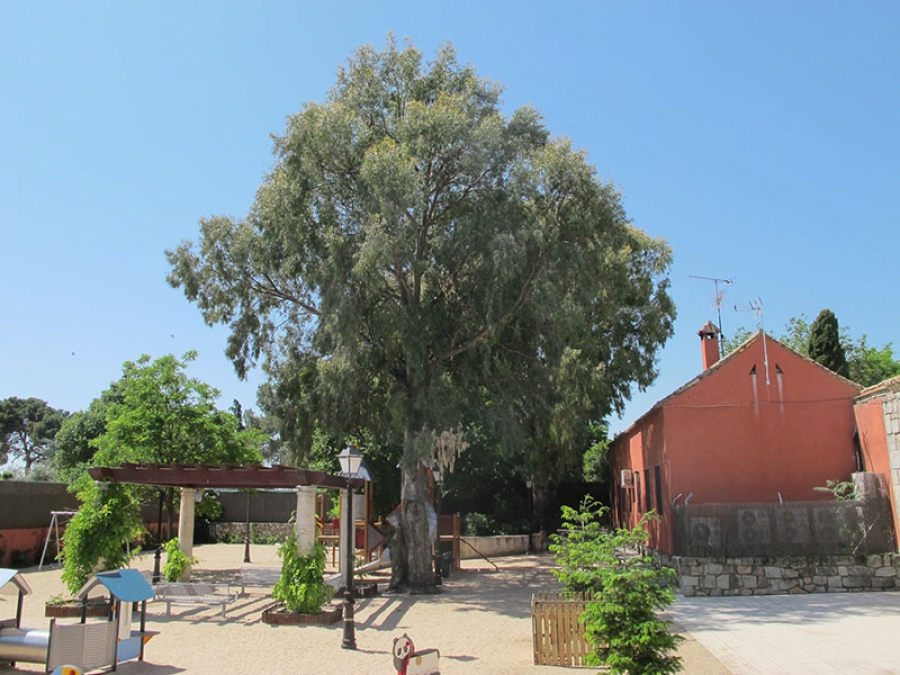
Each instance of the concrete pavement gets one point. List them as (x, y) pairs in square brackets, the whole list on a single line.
[(819, 634)]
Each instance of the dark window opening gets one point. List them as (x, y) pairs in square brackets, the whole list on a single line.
[(637, 490), (657, 476), (648, 505)]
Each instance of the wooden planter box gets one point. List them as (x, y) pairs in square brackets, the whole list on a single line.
[(72, 610), (277, 615)]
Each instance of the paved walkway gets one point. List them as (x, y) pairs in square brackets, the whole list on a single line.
[(820, 634)]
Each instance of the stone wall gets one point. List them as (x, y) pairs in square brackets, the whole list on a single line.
[(497, 545), (234, 532), (780, 576)]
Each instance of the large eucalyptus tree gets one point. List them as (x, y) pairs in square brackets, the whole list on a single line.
[(414, 253)]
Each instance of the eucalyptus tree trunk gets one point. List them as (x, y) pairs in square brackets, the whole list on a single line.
[(411, 551)]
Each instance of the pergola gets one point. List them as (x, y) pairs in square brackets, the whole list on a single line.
[(192, 477)]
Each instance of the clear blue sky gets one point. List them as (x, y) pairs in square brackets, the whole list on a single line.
[(760, 139)]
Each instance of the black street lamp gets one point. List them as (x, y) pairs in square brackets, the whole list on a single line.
[(247, 531), (157, 575), (436, 474), (350, 460), (529, 484)]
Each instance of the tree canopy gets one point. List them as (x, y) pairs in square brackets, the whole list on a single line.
[(160, 415), (75, 445), (416, 255), (28, 429)]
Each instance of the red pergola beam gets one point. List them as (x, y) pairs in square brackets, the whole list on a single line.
[(227, 476)]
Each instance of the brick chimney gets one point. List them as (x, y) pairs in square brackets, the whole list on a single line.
[(709, 338)]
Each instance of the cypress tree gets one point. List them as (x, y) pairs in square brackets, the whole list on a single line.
[(825, 345)]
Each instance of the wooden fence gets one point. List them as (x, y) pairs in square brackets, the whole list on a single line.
[(558, 635)]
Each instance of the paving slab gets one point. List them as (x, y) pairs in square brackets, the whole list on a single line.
[(817, 634)]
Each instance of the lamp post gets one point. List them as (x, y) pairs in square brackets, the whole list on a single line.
[(157, 575), (350, 460), (529, 483), (436, 474), (247, 531)]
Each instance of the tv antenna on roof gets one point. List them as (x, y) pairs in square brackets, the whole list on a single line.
[(756, 306), (718, 305)]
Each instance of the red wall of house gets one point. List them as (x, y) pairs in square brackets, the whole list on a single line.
[(873, 440), (731, 438), (638, 450)]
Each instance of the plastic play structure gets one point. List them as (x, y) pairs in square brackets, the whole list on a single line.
[(84, 645), (408, 661), (18, 643)]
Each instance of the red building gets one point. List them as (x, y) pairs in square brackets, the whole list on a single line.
[(877, 411), (763, 424)]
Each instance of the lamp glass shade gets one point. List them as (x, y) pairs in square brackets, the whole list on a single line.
[(436, 472), (350, 460)]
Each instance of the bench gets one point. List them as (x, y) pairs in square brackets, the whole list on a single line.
[(193, 593), (259, 577)]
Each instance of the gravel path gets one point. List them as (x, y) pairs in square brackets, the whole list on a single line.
[(480, 622)]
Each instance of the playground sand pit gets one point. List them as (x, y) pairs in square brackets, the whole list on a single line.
[(480, 622)]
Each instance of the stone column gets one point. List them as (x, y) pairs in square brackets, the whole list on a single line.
[(305, 525), (186, 527)]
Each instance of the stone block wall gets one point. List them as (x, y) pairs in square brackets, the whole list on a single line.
[(779, 576), (235, 531)]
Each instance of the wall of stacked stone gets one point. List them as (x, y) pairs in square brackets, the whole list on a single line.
[(780, 576), (235, 531)]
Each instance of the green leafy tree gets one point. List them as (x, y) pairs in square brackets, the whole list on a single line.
[(28, 428), (870, 365), (408, 241), (75, 446), (825, 346), (622, 623), (596, 459), (163, 416)]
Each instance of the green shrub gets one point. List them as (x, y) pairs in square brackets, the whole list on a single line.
[(20, 558), (302, 586), (209, 507), (97, 535), (622, 624), (479, 525), (177, 561)]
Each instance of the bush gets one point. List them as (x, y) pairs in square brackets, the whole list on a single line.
[(177, 561), (479, 525), (302, 586), (621, 624)]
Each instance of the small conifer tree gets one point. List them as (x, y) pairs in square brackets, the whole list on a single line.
[(825, 346), (622, 623)]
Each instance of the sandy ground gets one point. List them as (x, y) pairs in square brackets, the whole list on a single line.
[(480, 622)]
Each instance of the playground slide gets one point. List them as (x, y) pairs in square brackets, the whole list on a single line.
[(336, 580), (28, 645)]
